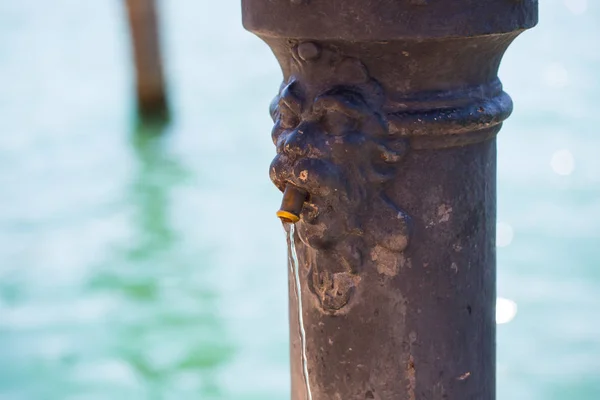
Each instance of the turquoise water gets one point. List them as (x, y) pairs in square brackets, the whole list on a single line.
[(145, 267)]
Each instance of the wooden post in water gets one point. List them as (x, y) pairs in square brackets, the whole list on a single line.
[(386, 123), (145, 41)]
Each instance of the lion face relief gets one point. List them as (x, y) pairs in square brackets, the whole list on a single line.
[(333, 141)]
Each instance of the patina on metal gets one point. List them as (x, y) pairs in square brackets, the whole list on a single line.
[(387, 118)]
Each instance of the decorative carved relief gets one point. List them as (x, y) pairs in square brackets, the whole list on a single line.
[(333, 140)]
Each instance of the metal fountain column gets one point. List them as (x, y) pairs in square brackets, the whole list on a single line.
[(385, 130)]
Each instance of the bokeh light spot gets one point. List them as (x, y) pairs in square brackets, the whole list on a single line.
[(562, 162), (506, 310), (577, 7), (504, 234)]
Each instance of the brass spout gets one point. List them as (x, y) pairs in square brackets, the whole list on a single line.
[(292, 203)]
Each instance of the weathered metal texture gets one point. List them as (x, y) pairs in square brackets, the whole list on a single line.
[(145, 42), (387, 118)]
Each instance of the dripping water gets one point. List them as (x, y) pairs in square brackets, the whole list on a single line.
[(298, 289)]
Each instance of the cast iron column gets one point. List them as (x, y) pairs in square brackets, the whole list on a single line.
[(385, 126)]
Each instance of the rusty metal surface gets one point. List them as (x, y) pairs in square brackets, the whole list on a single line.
[(391, 132)]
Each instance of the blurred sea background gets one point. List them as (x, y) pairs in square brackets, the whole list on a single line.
[(135, 265)]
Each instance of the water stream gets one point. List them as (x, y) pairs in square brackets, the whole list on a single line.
[(294, 268)]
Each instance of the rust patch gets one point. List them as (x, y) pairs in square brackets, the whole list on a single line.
[(303, 175), (411, 371), (464, 376), (386, 261), (444, 212), (411, 376)]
